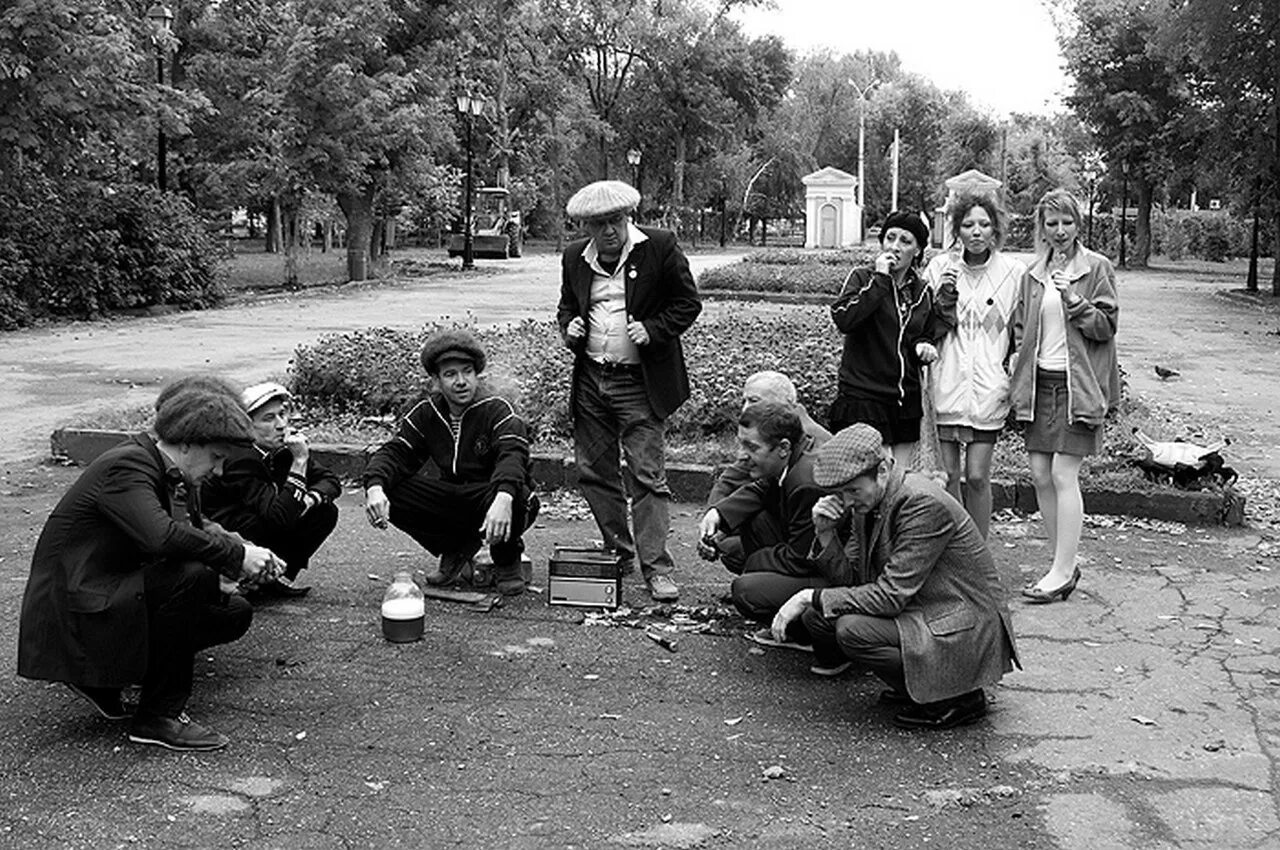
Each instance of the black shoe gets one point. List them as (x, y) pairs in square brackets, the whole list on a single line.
[(1036, 596), (944, 714), (891, 696), (106, 701), (282, 588), (177, 733)]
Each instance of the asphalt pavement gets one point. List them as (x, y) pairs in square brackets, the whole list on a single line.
[(1147, 716)]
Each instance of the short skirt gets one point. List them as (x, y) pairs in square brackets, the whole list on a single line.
[(965, 434), (885, 417), (1049, 432)]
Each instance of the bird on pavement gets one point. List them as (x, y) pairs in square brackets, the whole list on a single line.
[(1166, 373)]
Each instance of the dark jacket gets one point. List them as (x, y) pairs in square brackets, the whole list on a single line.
[(924, 565), (258, 497), (84, 614), (791, 502), (1093, 373), (660, 292), (492, 446), (882, 324)]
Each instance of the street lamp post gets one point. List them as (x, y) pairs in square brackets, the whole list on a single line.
[(1124, 207), (469, 107), (1090, 176), (862, 91), (633, 159), (162, 17)]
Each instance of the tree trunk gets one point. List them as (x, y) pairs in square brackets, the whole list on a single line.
[(272, 245), (287, 214), (1142, 226), (1251, 282), (358, 209)]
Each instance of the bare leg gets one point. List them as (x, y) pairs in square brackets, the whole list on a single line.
[(1046, 497), (1066, 483), (977, 486), (949, 453)]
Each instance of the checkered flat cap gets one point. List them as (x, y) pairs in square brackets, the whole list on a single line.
[(854, 451), (602, 198)]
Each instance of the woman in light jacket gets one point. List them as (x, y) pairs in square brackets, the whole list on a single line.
[(1065, 378), (970, 385)]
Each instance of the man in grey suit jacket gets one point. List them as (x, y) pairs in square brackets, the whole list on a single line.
[(626, 296), (926, 612)]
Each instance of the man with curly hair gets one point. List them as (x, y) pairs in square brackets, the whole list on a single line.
[(482, 493)]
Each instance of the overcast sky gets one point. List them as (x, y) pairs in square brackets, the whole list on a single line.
[(1003, 53)]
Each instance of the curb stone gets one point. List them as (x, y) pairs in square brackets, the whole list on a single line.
[(690, 483)]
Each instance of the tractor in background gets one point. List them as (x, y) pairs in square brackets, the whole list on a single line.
[(497, 230)]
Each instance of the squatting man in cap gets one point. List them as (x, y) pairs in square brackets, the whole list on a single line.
[(274, 492), (626, 296), (926, 611), (731, 547), (122, 593), (478, 443)]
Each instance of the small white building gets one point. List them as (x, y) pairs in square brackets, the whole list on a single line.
[(832, 216), (973, 182)]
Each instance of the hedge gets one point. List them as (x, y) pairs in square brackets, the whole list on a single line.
[(791, 270), (79, 249), (376, 372)]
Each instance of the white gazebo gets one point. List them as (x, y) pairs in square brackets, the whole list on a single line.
[(973, 182), (832, 217)]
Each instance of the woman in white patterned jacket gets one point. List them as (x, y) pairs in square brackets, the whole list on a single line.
[(970, 384)]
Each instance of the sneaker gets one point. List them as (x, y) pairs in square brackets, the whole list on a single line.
[(765, 637), (176, 733), (662, 588), (452, 566), (106, 701), (822, 668)]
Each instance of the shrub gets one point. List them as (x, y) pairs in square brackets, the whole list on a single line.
[(792, 270), (376, 371), (76, 249)]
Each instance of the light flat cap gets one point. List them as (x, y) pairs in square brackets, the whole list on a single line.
[(602, 198), (259, 394), (854, 451)]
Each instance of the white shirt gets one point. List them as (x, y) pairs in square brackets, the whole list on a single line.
[(607, 339), (1052, 353)]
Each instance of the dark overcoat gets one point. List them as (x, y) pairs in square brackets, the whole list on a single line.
[(84, 613), (660, 293)]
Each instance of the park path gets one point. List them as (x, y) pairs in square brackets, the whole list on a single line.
[(50, 376), (1225, 350)]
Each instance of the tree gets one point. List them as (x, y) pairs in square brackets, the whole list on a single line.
[(1237, 45), (1134, 95)]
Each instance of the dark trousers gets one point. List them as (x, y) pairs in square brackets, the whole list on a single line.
[(186, 612), (766, 583), (446, 517), (871, 642), (762, 531), (611, 411), (303, 538)]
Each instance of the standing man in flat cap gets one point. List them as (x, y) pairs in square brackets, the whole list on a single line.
[(274, 492), (626, 296), (926, 612)]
